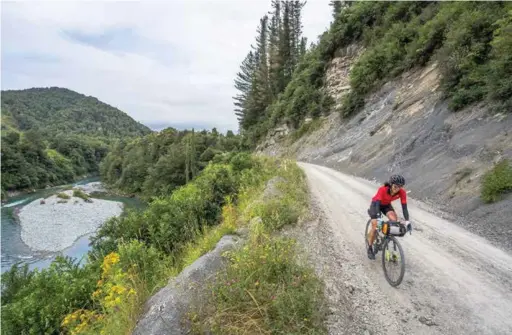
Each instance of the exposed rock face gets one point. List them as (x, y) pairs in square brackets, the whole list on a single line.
[(166, 310), (406, 127)]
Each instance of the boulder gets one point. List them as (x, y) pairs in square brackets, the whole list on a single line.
[(165, 312)]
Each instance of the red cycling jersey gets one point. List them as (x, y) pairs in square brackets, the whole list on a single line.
[(385, 198)]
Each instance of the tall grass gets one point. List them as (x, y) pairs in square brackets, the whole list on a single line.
[(264, 289)]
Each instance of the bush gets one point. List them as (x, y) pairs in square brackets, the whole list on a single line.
[(306, 128), (497, 181), (169, 223), (128, 278), (34, 302), (63, 196), (80, 194)]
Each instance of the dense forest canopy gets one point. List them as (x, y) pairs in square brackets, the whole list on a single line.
[(280, 82), (58, 110), (52, 135), (156, 164)]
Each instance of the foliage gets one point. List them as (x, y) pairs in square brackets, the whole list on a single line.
[(80, 194), (306, 128), (158, 163), (170, 222), (134, 255), (497, 181), (30, 161), (265, 291), (63, 196), (34, 302), (51, 136), (57, 110), (469, 40), (128, 278), (209, 237), (269, 66)]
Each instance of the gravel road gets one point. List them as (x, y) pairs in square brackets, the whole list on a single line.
[(455, 281)]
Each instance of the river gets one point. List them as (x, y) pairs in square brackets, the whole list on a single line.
[(13, 249)]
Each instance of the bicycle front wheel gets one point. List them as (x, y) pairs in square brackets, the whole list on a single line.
[(393, 261)]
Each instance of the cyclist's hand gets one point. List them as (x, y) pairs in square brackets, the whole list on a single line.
[(408, 226)]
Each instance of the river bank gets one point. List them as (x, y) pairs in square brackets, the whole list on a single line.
[(15, 249), (55, 223)]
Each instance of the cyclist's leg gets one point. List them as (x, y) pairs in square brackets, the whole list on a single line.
[(389, 211), (373, 227)]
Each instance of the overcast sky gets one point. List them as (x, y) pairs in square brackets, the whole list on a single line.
[(165, 63)]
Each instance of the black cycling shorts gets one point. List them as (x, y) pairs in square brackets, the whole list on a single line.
[(383, 208)]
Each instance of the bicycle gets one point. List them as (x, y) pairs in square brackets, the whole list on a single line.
[(386, 234)]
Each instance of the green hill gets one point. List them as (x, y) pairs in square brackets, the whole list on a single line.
[(59, 110), (53, 135)]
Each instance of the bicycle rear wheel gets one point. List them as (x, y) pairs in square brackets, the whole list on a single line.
[(393, 261)]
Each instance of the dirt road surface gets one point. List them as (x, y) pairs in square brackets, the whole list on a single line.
[(455, 281)]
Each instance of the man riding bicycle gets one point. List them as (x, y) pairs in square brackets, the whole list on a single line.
[(381, 202)]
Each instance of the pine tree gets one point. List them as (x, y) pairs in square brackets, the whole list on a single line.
[(296, 31), (274, 58), (336, 7), (285, 44), (268, 68), (303, 47), (190, 156), (243, 83), (260, 95)]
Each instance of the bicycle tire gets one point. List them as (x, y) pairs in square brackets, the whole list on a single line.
[(366, 233), (402, 261)]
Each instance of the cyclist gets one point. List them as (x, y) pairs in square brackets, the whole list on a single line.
[(381, 202)]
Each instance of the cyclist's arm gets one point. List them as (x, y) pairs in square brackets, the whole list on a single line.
[(403, 198), (405, 211)]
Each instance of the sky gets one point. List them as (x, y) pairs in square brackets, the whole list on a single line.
[(165, 63)]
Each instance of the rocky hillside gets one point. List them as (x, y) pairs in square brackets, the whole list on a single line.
[(417, 88), (407, 126)]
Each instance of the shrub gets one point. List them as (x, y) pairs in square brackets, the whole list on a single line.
[(63, 196), (34, 302), (80, 194), (128, 278), (497, 181), (306, 128)]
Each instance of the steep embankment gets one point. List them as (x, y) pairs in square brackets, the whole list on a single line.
[(407, 127), (455, 282)]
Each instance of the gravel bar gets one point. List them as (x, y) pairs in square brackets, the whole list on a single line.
[(54, 226)]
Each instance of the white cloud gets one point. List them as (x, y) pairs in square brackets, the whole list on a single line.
[(174, 63)]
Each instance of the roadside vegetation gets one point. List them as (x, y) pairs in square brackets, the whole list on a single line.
[(135, 255), (497, 182)]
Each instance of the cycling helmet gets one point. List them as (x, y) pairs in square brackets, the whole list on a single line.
[(397, 180)]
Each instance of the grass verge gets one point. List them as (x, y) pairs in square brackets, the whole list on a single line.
[(265, 290)]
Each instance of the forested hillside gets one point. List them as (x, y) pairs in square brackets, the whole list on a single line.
[(156, 164), (58, 110), (471, 41), (51, 136)]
